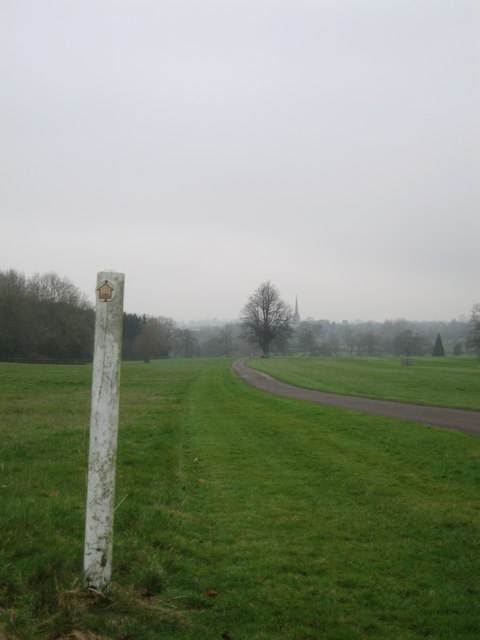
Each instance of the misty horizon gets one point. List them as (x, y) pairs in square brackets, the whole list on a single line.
[(202, 148)]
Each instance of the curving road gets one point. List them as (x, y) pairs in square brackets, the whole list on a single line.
[(460, 419)]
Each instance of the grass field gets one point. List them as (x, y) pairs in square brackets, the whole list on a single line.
[(239, 515), (444, 382)]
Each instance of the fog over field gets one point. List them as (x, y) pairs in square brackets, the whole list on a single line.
[(204, 147)]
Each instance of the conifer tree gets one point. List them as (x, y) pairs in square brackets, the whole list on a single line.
[(438, 349)]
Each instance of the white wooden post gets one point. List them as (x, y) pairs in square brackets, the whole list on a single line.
[(103, 430)]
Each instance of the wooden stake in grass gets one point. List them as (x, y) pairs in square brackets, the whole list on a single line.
[(103, 430)]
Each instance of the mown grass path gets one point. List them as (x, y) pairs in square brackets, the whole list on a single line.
[(324, 524), (462, 420)]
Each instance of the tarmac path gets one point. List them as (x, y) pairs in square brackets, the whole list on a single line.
[(460, 419)]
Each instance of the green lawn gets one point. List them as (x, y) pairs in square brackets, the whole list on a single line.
[(446, 382), (238, 513)]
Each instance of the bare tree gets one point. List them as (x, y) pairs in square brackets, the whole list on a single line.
[(155, 339), (367, 343), (307, 334), (266, 318), (348, 337), (226, 337), (473, 341), (15, 315), (145, 345), (185, 343)]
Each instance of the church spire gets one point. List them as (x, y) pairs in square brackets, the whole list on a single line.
[(296, 317)]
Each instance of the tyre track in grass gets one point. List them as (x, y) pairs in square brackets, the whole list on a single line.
[(459, 419)]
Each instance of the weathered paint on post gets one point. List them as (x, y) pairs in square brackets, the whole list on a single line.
[(103, 430)]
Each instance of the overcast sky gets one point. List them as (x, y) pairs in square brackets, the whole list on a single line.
[(204, 146)]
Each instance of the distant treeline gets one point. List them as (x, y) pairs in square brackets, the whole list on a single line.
[(47, 318), (44, 317), (389, 338), (149, 338)]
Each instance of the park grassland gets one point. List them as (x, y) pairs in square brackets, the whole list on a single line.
[(238, 513), (444, 382)]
